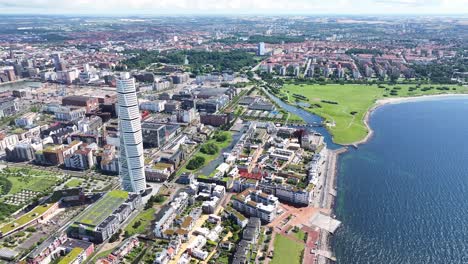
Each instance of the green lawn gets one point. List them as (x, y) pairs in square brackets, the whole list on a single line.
[(95, 214), (355, 98), (30, 179), (293, 118), (70, 257), (145, 218), (33, 214), (300, 234), (103, 254), (75, 182), (286, 250)]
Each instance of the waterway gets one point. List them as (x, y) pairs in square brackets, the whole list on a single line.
[(309, 119), (212, 165), (402, 196)]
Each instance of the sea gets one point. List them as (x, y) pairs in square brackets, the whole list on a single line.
[(403, 195)]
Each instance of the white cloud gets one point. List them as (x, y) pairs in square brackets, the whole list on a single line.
[(233, 6)]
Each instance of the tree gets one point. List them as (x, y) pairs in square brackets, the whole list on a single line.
[(209, 149), (196, 163)]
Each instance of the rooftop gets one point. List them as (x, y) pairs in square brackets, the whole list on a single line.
[(26, 218), (99, 211), (71, 256)]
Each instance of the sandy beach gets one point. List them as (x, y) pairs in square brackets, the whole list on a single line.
[(396, 100)]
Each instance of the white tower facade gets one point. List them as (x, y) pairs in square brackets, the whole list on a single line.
[(132, 172), (261, 50)]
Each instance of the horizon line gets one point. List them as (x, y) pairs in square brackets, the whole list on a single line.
[(198, 14)]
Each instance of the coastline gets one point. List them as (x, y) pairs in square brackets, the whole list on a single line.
[(395, 100), (334, 154)]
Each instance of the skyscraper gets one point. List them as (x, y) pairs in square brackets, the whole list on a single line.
[(261, 49), (132, 172)]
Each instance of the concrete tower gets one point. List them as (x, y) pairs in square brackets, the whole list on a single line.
[(132, 173)]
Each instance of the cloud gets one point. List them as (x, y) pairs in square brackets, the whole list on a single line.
[(231, 6)]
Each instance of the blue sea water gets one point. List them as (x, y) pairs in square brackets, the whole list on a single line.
[(403, 196)]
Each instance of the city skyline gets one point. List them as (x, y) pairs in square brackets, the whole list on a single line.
[(204, 7)]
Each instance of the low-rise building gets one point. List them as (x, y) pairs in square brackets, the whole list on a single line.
[(256, 204), (67, 113), (26, 120), (8, 106)]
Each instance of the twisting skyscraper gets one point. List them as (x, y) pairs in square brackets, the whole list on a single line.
[(132, 173)]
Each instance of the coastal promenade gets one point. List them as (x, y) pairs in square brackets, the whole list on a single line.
[(327, 198)]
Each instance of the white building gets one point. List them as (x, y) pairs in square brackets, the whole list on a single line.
[(261, 49), (132, 172), (256, 204), (8, 141), (25, 120), (66, 113), (153, 106)]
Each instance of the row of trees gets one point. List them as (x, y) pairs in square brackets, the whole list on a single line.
[(198, 60)]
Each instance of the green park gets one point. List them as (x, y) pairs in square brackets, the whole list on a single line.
[(344, 107), (208, 152), (286, 250)]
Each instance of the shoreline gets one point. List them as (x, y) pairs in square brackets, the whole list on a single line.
[(395, 100), (335, 154)]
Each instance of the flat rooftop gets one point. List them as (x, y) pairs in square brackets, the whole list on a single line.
[(325, 222), (98, 212)]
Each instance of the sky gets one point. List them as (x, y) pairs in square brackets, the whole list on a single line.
[(213, 7)]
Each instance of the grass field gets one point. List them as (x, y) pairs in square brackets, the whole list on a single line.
[(286, 250), (73, 183), (94, 215), (29, 179), (144, 218), (301, 235), (346, 105)]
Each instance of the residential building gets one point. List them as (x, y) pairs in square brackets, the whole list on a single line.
[(67, 113), (20, 152), (8, 106), (215, 120), (153, 106), (81, 159), (90, 125), (26, 120), (131, 170), (186, 178), (256, 204)]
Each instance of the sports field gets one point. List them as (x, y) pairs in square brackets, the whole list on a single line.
[(94, 215), (344, 106)]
